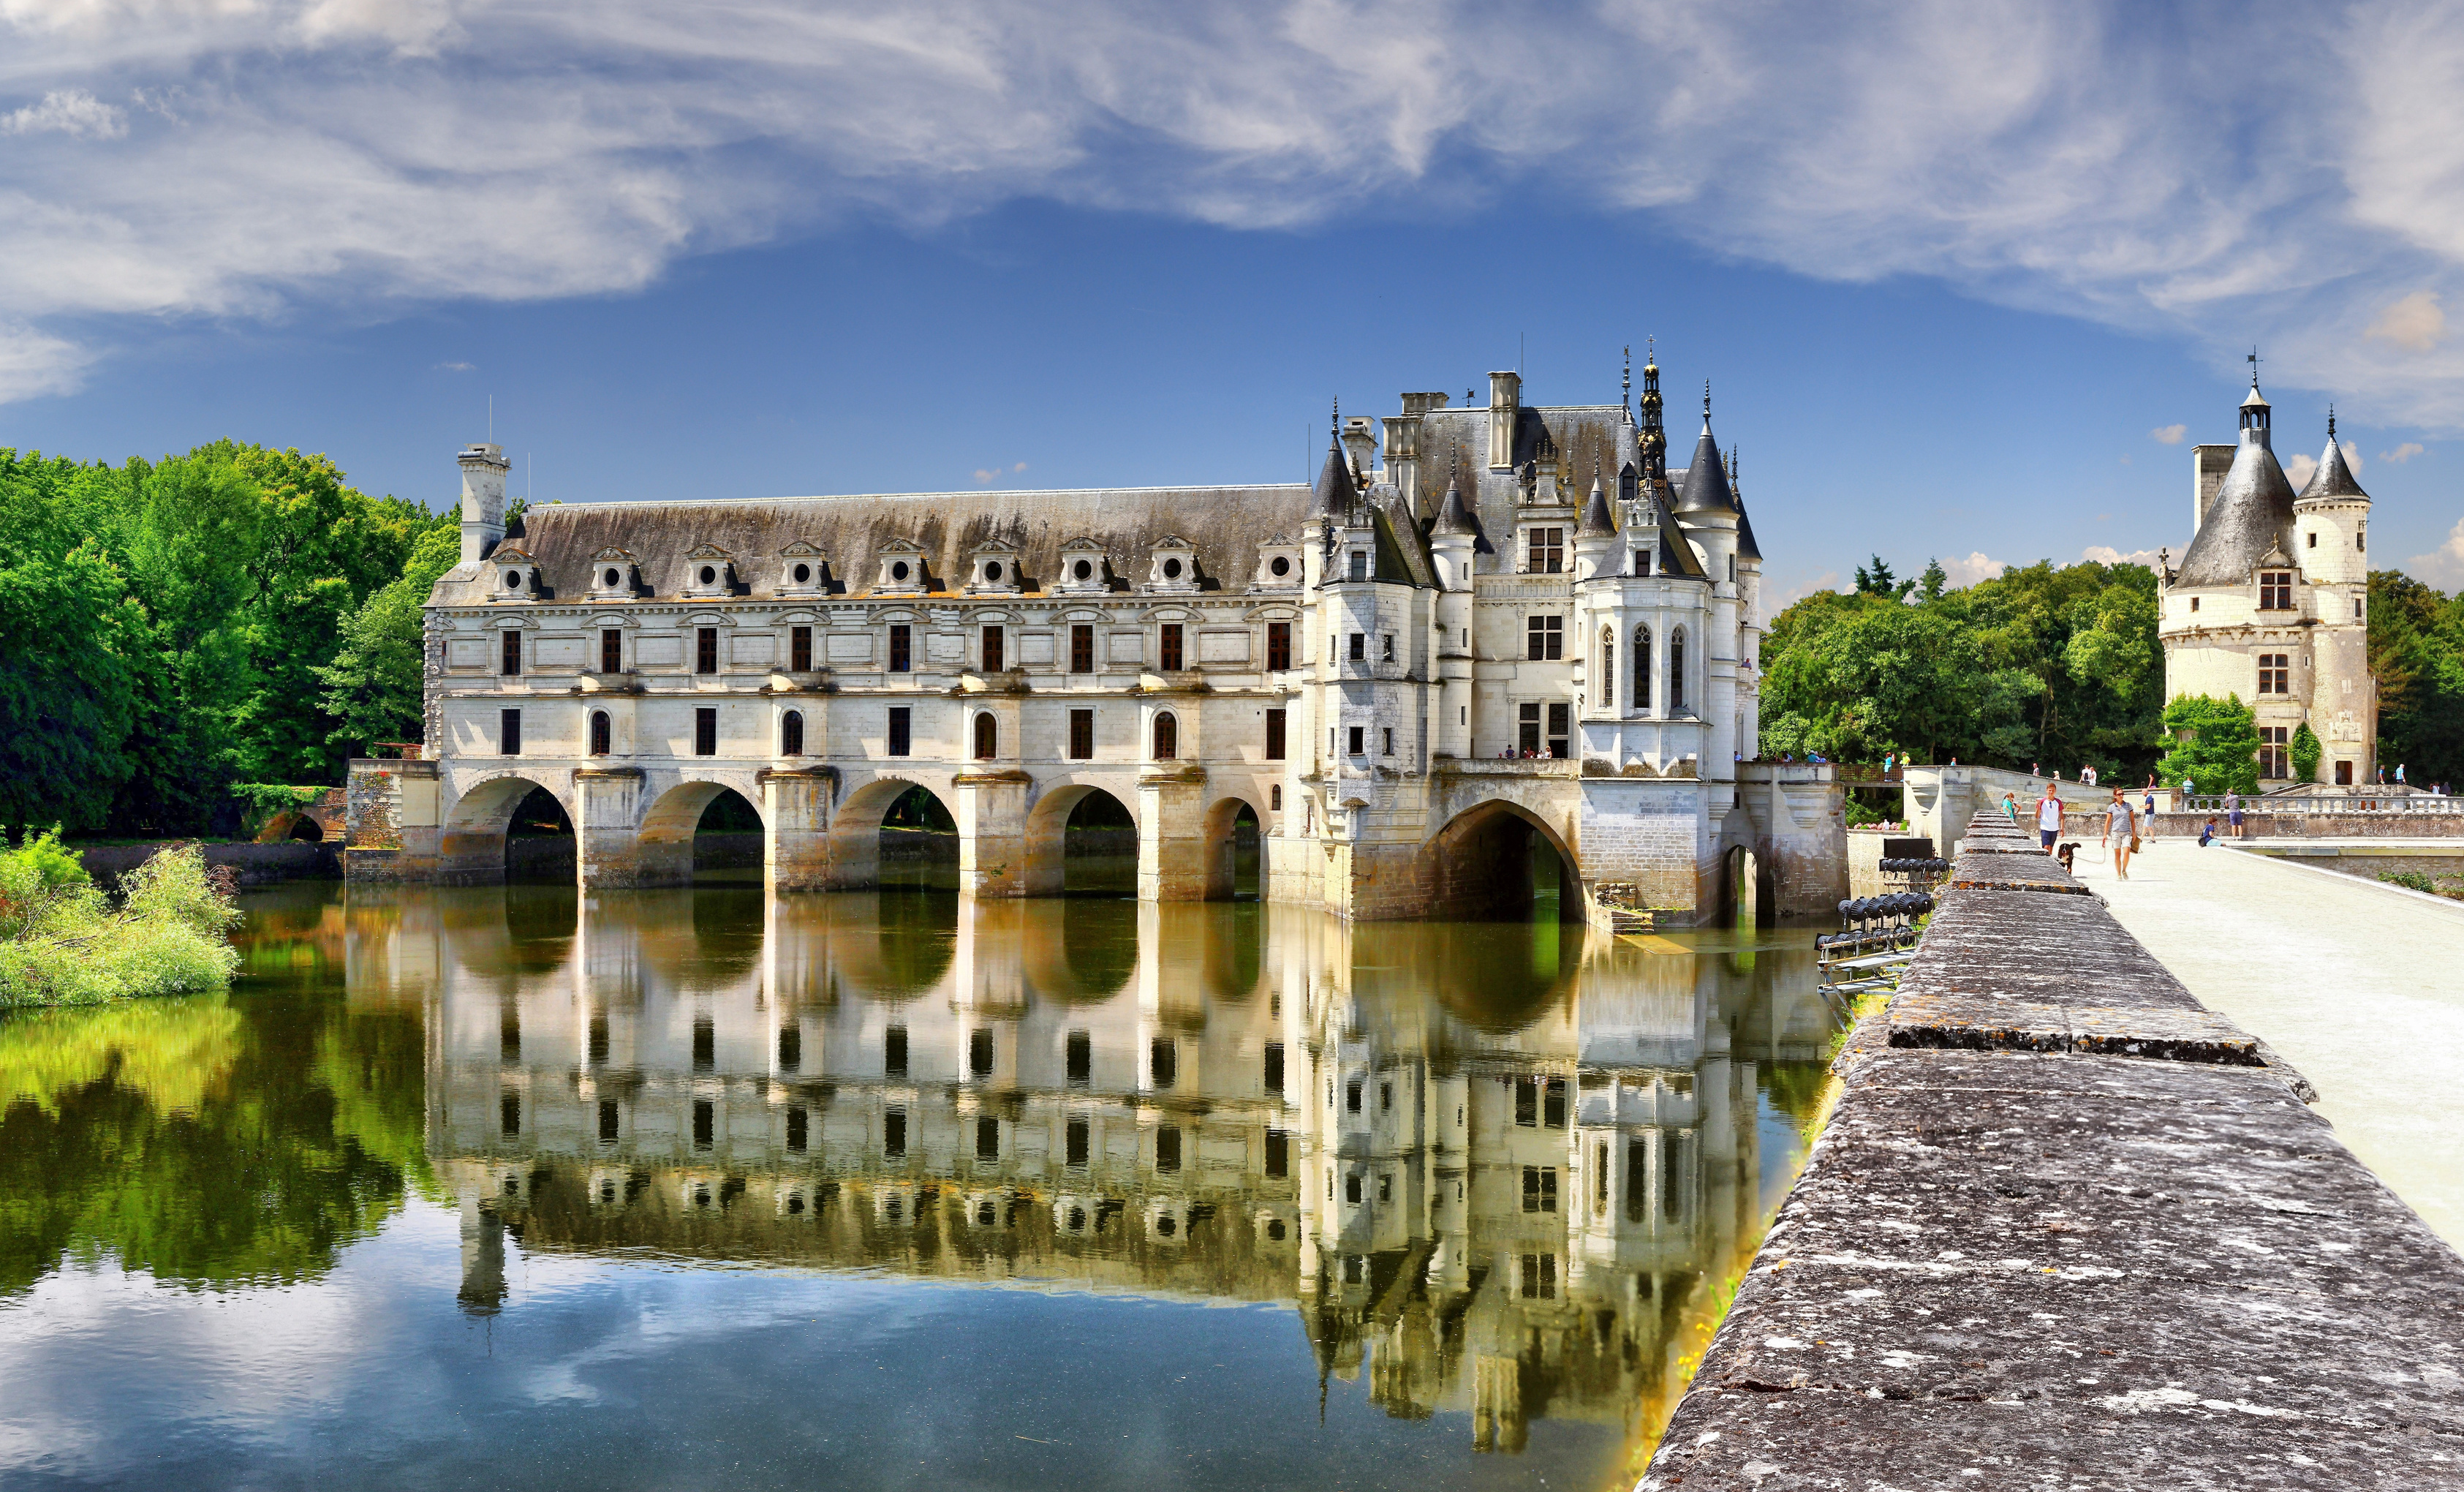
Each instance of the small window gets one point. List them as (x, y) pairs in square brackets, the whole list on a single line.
[(1361, 565), (1079, 1059), (1677, 671), (1358, 746), (1168, 657), (705, 650), (791, 1048), (599, 733), (705, 731), (1279, 1156), (2358, 545), (508, 732), (799, 649), (1082, 647), (1558, 718), (1168, 1148), (1360, 650), (511, 660), (893, 1052), (1539, 1188), (901, 735), (1351, 1189), (2275, 591), (1082, 735), (1275, 797), (1279, 567), (1544, 638), (791, 734), (1167, 737), (1552, 1104), (1275, 725), (2274, 676), (979, 1052), (1544, 551), (988, 1142), (1390, 741), (987, 737), (1074, 1144), (611, 649), (901, 656), (992, 650), (1163, 1062), (893, 1134), (2194, 602), (1279, 645), (1274, 1073), (2313, 538)]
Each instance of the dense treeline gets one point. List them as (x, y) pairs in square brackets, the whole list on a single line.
[(170, 628), (2417, 652)]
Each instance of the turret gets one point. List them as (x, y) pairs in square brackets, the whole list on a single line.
[(1595, 537), (2330, 522), (2251, 513), (1454, 542), (483, 500)]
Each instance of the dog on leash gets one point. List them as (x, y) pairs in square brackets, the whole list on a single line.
[(2065, 851)]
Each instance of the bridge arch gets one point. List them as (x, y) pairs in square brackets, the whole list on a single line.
[(1228, 877), (856, 824), (1048, 830), (663, 843), (1495, 861), (471, 843)]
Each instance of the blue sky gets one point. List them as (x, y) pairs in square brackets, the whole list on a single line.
[(1956, 273)]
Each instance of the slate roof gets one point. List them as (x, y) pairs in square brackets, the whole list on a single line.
[(2333, 479), (2253, 513), (1706, 489)]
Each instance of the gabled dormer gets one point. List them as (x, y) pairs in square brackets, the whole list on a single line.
[(803, 570), (1086, 568), (1279, 564), (902, 569), (615, 575), (710, 573), (1172, 565), (517, 575), (992, 569)]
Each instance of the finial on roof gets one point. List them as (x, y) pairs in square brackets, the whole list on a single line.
[(2331, 422), (1650, 356), (2253, 359), (1334, 421), (1707, 401), (1625, 380)]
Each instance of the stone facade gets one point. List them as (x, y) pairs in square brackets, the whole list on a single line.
[(2271, 601), (1520, 628)]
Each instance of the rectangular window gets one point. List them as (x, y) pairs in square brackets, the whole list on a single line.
[(509, 1112), (705, 650), (705, 1045), (1167, 648), (791, 1048), (1358, 746), (979, 1052), (1279, 1154), (1528, 723), (1552, 1104), (705, 1123), (1074, 1144), (992, 650), (1163, 1062), (988, 1139), (1275, 797), (1539, 1188), (1539, 1277), (1352, 1096), (508, 732), (705, 731), (2274, 676), (1544, 551), (1526, 1101), (893, 1052), (1638, 1179), (1080, 1057), (513, 653), (1168, 1148), (598, 1041), (1390, 741), (2275, 591), (611, 649), (1361, 565), (1274, 1067), (1544, 638), (1558, 728), (1279, 645), (611, 1121), (799, 649), (901, 648), (1275, 735), (1082, 735), (1386, 653), (1082, 647), (2275, 754), (894, 1133), (1359, 648), (901, 731), (800, 1128)]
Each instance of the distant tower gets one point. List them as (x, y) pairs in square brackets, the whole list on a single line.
[(1654, 439)]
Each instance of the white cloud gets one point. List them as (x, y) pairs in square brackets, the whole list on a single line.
[(2443, 566), (2106, 554), (2168, 435), (378, 153), (2403, 453), (67, 111), (1971, 570), (2415, 324), (457, 367), (34, 363)]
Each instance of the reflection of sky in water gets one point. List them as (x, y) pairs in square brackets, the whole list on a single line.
[(303, 1325)]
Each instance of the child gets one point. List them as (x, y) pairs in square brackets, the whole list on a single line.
[(2207, 834)]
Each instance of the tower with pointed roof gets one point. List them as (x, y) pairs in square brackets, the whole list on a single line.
[(2270, 602)]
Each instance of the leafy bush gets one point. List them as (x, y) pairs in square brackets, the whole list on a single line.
[(63, 943), (2216, 745), (2306, 752)]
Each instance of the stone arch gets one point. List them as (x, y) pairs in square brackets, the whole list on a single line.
[(470, 844), (1223, 852), (1047, 832), (1480, 866), (855, 828), (664, 844)]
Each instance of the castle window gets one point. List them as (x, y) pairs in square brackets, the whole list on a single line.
[(1279, 567), (1167, 737), (902, 737), (1082, 647), (791, 734), (1558, 715), (1539, 1188), (705, 733), (2313, 538), (893, 1052), (901, 654), (1677, 671), (1352, 1194), (2358, 545), (2275, 751), (2275, 591), (2194, 602), (1544, 638), (1528, 723), (1608, 669), (1279, 645), (1642, 670), (799, 649), (1539, 1277), (1387, 651), (611, 649), (1361, 565), (1275, 737), (1167, 648), (706, 651), (1275, 797), (599, 733), (508, 732), (1359, 747), (1637, 1180), (512, 661), (992, 650), (987, 738), (1358, 651), (2273, 675), (1352, 1096), (1390, 741), (1544, 551), (1078, 1060), (1082, 735)]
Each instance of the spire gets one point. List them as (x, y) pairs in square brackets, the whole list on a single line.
[(1625, 388), (1453, 518), (1596, 523), (1747, 547), (1651, 445), (2334, 477), (1331, 498), (1707, 487)]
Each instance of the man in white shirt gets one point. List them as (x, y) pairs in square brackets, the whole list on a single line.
[(2048, 818)]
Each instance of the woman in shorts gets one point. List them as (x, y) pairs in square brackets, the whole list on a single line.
[(2120, 833)]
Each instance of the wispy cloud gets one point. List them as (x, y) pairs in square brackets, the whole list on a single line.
[(986, 475), (2403, 453), (2168, 435), (1972, 568), (457, 367), (2444, 565), (390, 152)]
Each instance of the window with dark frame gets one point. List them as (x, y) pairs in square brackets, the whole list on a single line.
[(1359, 565), (1527, 721), (705, 731), (988, 1139), (599, 733), (1358, 650), (1358, 742), (1168, 657), (987, 737), (2275, 673), (1082, 647), (510, 662), (2275, 591), (1539, 1188), (1082, 735), (799, 649), (992, 650), (1275, 735), (893, 1134), (1539, 1277), (1558, 718), (508, 732), (791, 734), (611, 649), (1279, 645), (901, 656), (901, 736), (1544, 551), (1167, 736), (2275, 752), (1386, 649), (1677, 671), (1544, 638), (1279, 1154), (706, 651), (1075, 1145), (1390, 741)]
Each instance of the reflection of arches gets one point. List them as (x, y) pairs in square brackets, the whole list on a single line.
[(1107, 830), (664, 849), (471, 847), (1233, 849), (1081, 950), (1500, 861), (1167, 736), (855, 828)]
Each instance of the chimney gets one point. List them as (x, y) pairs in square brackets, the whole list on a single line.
[(2208, 465), (483, 500), (1505, 395), (1360, 443)]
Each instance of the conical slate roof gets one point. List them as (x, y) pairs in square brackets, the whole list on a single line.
[(2252, 512), (1331, 496), (1596, 523), (2333, 479), (1706, 479), (1453, 517)]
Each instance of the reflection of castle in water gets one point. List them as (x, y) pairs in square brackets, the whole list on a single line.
[(1491, 1160)]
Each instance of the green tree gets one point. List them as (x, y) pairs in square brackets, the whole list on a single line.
[(2416, 650), (1879, 581), (373, 689), (1934, 581), (2306, 752), (2216, 745)]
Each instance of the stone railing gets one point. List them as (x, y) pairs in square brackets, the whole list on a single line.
[(2326, 803)]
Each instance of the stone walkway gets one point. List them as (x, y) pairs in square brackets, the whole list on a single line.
[(2360, 989)]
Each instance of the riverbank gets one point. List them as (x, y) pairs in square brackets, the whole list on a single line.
[(2069, 1227)]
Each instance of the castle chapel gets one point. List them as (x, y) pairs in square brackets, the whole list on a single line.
[(2271, 601), (1484, 637)]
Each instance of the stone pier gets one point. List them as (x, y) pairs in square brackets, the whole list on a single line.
[(2068, 1228)]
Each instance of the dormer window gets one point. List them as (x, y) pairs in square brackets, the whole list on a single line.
[(902, 568), (709, 571), (1360, 564), (994, 570), (516, 577), (1085, 568), (613, 574), (803, 571), (1172, 565), (2275, 591), (1279, 564)]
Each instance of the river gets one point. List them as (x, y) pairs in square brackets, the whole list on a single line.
[(705, 1187)]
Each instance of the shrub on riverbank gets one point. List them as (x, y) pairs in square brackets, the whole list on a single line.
[(63, 942)]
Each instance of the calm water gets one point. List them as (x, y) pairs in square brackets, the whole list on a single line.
[(701, 1188)]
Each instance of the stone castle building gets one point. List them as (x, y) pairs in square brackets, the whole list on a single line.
[(2271, 601), (1483, 637)]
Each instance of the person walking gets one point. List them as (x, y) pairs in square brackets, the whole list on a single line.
[(2147, 805), (2048, 818), (2399, 774), (2121, 834), (2233, 813)]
